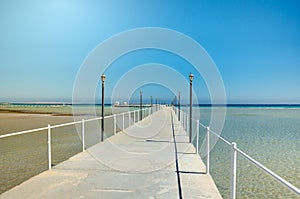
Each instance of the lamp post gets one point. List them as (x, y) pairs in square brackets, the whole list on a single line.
[(141, 104), (103, 77), (178, 106), (191, 76)]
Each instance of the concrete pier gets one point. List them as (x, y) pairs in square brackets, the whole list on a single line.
[(150, 159)]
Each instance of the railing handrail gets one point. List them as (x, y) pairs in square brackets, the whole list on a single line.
[(249, 158), (65, 124), (269, 171)]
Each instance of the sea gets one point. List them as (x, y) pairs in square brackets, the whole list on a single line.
[(268, 133)]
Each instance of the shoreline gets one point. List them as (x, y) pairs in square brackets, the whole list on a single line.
[(34, 112)]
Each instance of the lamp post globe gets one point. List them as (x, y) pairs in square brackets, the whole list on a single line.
[(103, 77), (191, 76)]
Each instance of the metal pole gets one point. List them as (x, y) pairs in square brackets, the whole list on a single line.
[(49, 147), (115, 124), (179, 106), (134, 116), (186, 121), (102, 110), (83, 143), (233, 171), (123, 121), (207, 149), (197, 136), (183, 118), (180, 114), (141, 104), (191, 111), (129, 118)]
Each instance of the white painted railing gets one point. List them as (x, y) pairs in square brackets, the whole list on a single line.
[(136, 118), (234, 152)]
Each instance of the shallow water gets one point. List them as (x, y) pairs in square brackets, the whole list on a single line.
[(271, 135)]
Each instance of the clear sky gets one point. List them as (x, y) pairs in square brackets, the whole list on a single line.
[(255, 44)]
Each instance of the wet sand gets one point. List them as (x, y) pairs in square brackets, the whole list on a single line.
[(24, 156), (13, 122)]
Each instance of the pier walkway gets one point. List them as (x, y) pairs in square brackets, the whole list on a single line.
[(150, 159)]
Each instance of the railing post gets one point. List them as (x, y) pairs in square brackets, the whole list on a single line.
[(115, 124), (123, 121), (233, 171), (83, 143), (129, 118), (197, 136), (134, 116), (207, 149), (49, 146), (181, 116), (183, 120), (187, 122), (184, 116)]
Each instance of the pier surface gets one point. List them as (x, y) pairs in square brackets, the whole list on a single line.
[(150, 159)]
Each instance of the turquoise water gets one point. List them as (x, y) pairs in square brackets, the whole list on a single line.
[(269, 134)]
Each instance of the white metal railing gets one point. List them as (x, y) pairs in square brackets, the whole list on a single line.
[(234, 152), (136, 118)]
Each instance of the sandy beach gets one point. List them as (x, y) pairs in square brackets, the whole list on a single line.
[(24, 156), (13, 122)]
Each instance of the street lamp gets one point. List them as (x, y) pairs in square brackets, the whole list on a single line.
[(141, 104), (103, 77), (191, 76)]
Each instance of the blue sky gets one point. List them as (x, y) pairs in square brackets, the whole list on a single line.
[(255, 44)]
